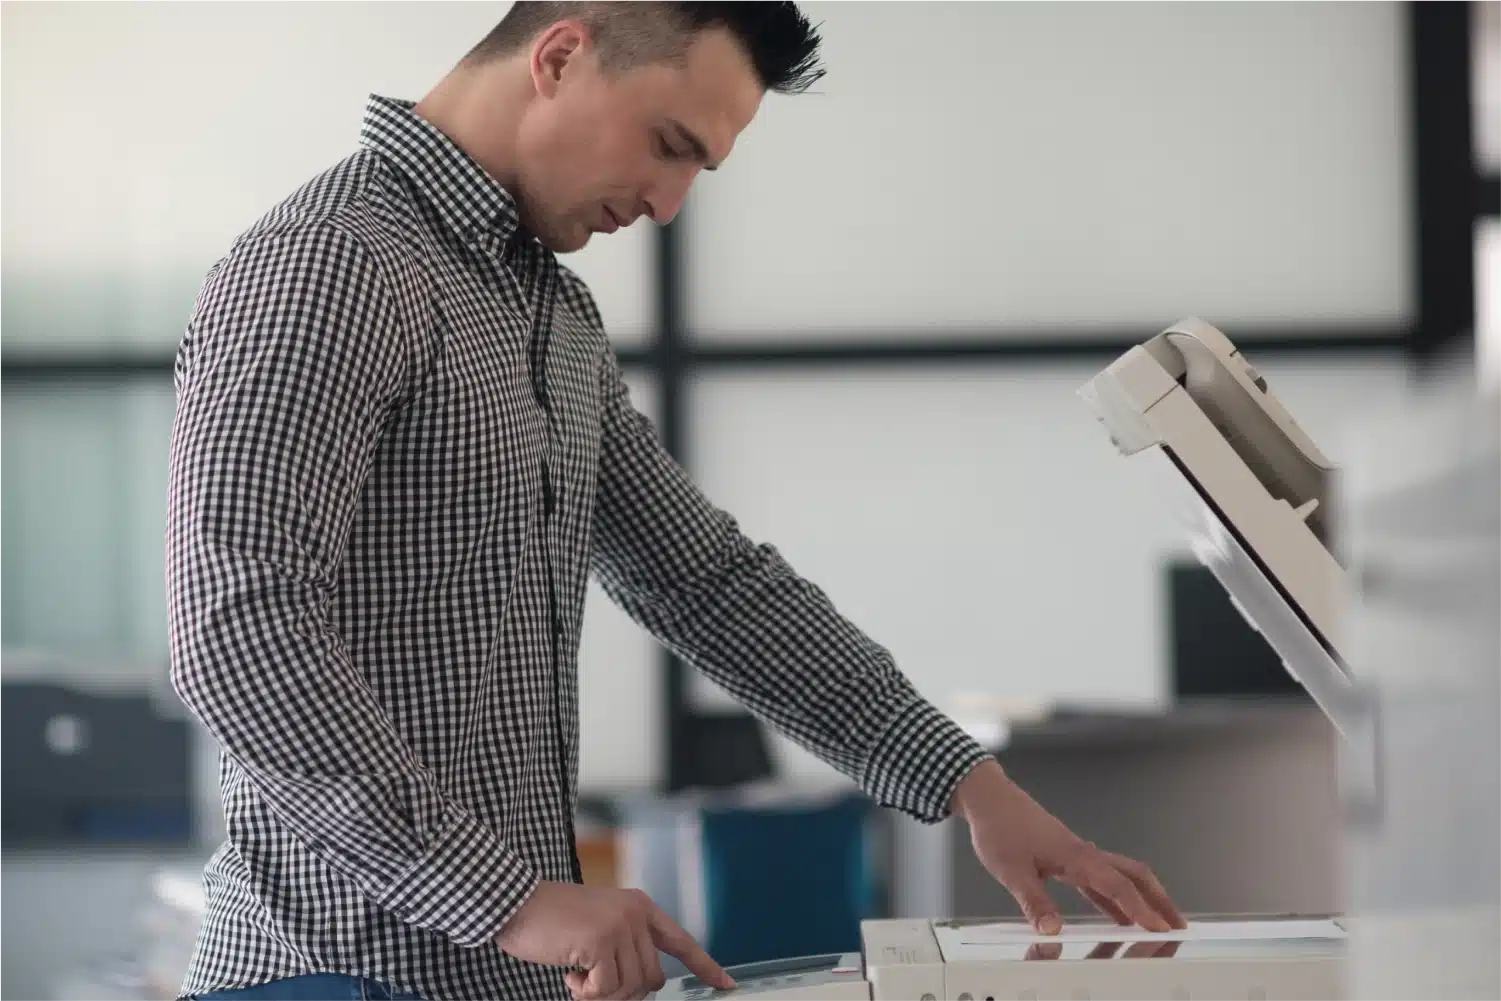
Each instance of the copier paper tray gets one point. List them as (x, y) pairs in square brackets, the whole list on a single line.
[(1246, 483)]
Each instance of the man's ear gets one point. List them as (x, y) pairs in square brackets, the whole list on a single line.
[(555, 49)]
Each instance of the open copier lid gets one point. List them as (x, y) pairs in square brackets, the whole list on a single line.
[(1250, 488)]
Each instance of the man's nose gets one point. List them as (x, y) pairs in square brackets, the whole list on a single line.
[(666, 199)]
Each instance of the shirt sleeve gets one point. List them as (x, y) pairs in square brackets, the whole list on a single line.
[(293, 361), (735, 610)]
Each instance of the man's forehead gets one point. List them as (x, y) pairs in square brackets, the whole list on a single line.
[(718, 93)]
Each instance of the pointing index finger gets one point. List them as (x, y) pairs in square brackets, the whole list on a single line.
[(673, 940)]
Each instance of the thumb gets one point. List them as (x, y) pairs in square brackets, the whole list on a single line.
[(1036, 905)]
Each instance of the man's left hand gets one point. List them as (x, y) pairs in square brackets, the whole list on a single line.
[(1022, 846)]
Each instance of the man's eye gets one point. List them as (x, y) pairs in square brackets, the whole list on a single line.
[(665, 149)]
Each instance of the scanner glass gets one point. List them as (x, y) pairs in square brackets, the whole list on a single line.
[(1204, 938)]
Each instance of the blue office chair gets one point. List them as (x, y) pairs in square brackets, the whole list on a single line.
[(786, 880)]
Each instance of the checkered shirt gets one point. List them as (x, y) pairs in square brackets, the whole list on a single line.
[(402, 443)]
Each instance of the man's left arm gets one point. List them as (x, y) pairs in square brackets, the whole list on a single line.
[(683, 570), (734, 609)]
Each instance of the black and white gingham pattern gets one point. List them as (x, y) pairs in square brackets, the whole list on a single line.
[(402, 443)]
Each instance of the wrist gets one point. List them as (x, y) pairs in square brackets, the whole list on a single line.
[(986, 783), (523, 915)]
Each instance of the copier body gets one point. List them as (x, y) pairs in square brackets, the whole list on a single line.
[(1292, 957)]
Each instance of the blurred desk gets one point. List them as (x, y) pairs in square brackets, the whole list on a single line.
[(68, 912), (1233, 804)]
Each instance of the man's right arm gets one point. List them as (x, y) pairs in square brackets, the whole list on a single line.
[(297, 356)]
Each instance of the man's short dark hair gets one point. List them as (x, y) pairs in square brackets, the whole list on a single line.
[(782, 44)]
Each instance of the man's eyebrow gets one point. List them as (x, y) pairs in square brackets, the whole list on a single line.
[(700, 151)]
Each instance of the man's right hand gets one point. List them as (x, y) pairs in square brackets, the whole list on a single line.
[(608, 937)]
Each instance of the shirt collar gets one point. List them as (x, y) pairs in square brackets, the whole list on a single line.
[(467, 198)]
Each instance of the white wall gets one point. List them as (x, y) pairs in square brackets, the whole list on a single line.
[(141, 137), (968, 167), (620, 688), (1488, 304), (977, 521), (1485, 86)]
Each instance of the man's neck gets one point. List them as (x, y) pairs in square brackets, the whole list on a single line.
[(479, 108)]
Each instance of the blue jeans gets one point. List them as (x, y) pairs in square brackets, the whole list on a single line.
[(313, 987)]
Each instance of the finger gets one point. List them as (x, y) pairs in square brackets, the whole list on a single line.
[(1044, 950), (1103, 950), (1146, 881), (575, 981), (1106, 906), (671, 939), (603, 979), (1036, 905), (651, 960), (1116, 886)]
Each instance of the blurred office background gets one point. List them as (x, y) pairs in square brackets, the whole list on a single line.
[(863, 336)]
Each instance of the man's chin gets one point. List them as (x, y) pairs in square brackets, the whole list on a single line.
[(555, 234), (565, 239), (567, 242)]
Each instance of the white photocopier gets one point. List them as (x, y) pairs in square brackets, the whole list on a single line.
[(1254, 495), (1293, 957), (1248, 486)]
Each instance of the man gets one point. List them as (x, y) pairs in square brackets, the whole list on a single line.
[(402, 442)]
